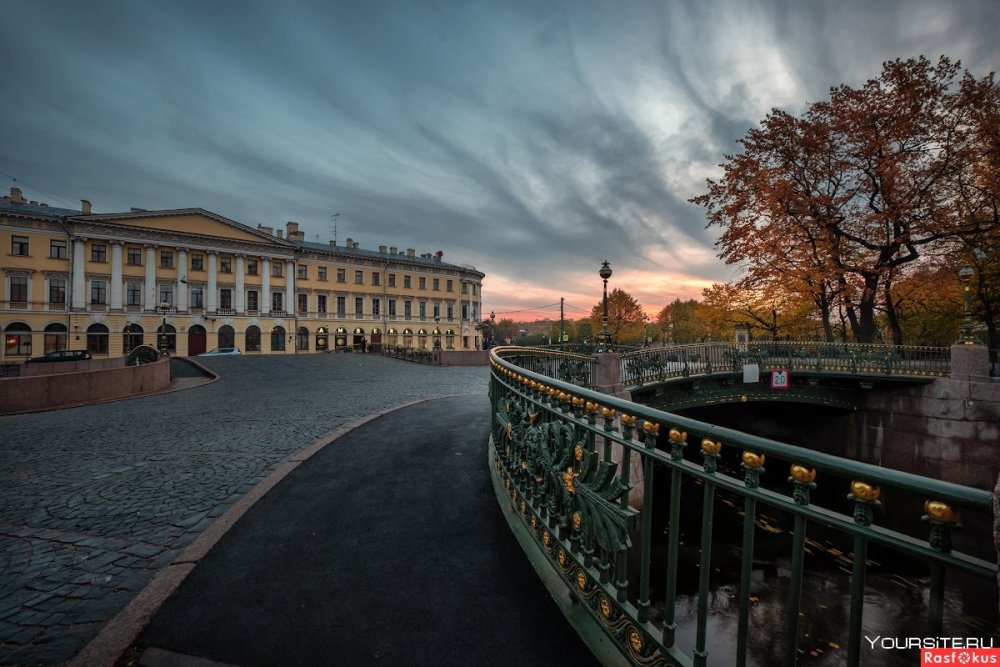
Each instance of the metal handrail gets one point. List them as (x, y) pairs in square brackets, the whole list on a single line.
[(563, 454)]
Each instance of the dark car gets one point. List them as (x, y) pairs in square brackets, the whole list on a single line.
[(63, 355)]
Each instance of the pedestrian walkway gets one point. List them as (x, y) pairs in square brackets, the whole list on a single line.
[(387, 546)]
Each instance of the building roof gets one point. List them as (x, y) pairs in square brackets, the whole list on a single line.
[(401, 258), (35, 209)]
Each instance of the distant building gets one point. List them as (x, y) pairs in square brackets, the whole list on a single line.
[(194, 280)]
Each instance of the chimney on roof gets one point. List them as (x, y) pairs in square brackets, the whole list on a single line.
[(15, 196), (333, 243), (410, 252), (293, 232), (280, 233), (382, 249), (350, 242), (393, 250), (438, 255), (267, 230), (85, 206)]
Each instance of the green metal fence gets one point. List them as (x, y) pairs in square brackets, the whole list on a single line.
[(568, 459), (663, 363)]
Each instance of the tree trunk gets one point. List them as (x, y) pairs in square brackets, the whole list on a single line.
[(890, 312)]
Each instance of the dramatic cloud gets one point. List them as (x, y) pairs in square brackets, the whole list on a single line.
[(530, 139)]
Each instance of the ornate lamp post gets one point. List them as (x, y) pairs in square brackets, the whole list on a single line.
[(164, 308), (967, 337), (605, 343)]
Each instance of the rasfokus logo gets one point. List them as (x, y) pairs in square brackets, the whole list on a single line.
[(943, 650)]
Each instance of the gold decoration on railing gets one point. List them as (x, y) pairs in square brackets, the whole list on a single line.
[(569, 477), (581, 580), (628, 420), (577, 402), (941, 512), (534, 522), (803, 474), (608, 413), (605, 606), (653, 428), (592, 407), (547, 539), (710, 446), (533, 417), (678, 436), (635, 640), (524, 465), (865, 491), (753, 459), (578, 452), (524, 507), (561, 556), (577, 520)]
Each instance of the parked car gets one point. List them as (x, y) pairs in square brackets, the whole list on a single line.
[(221, 351), (62, 355)]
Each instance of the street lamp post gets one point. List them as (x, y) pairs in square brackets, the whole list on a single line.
[(605, 343), (967, 337), (164, 308), (437, 332)]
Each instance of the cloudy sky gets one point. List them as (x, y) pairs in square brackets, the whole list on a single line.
[(532, 139)]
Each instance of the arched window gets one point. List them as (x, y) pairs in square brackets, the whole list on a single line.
[(166, 338), (227, 336), (449, 338), (97, 339), (278, 339), (340, 340), (253, 338), (132, 337), (392, 336), (56, 337), (422, 339), (407, 337), (322, 339), (302, 339), (17, 339)]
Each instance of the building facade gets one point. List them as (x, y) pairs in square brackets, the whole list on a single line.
[(190, 281)]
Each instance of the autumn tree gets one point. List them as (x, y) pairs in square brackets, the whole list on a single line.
[(775, 313), (839, 202), (626, 318), (505, 331), (682, 322)]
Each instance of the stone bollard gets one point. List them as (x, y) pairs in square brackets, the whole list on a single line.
[(608, 375)]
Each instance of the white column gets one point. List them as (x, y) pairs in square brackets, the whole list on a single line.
[(151, 300), (240, 301), (79, 283), (265, 285), (290, 286), (116, 275), (182, 288), (211, 299)]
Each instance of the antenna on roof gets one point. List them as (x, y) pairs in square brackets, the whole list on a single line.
[(334, 219)]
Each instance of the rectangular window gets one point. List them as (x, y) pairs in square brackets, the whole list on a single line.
[(359, 306), (276, 269), (19, 245), (225, 264), (303, 272), (98, 252), (197, 262), (392, 280), (341, 306), (449, 286), (437, 284), (341, 275), (473, 289), (465, 288), (359, 277), (407, 309), (406, 282), (423, 283), (376, 307), (225, 298), (98, 292), (451, 312), (321, 303), (133, 294), (252, 302), (57, 249), (437, 310), (376, 278), (251, 267), (423, 310), (277, 299), (18, 289), (321, 273), (302, 307), (465, 311), (57, 291), (133, 256), (166, 259), (197, 297), (392, 308), (166, 294)]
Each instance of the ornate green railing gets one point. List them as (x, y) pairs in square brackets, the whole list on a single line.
[(576, 369), (663, 363), (406, 353), (583, 472)]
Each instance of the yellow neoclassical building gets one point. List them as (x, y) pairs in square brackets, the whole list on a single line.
[(192, 281)]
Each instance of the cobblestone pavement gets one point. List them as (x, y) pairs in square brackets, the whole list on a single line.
[(94, 500)]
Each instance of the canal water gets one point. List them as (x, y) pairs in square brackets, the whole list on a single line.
[(896, 599)]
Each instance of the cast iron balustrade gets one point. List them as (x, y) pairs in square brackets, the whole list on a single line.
[(567, 460), (662, 363), (569, 367)]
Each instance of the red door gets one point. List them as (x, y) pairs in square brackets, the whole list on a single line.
[(196, 341)]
